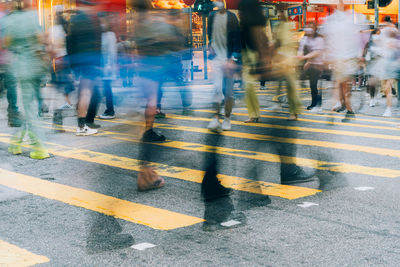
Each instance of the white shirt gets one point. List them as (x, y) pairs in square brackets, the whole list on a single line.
[(220, 35)]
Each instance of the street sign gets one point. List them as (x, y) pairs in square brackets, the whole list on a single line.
[(294, 11), (189, 2)]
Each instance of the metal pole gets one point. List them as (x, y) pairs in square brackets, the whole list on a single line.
[(205, 46), (352, 8), (304, 13), (191, 42), (376, 5)]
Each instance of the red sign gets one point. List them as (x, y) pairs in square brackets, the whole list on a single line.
[(189, 2)]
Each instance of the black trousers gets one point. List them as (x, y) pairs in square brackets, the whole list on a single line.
[(314, 75)]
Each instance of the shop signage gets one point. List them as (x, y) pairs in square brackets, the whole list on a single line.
[(294, 11), (315, 8), (335, 2)]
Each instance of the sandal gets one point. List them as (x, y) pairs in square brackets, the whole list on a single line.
[(252, 120)]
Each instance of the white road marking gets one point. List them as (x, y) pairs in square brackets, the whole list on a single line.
[(307, 204), (363, 188), (230, 223), (143, 246)]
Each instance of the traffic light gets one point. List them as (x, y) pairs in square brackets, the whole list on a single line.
[(383, 3), (203, 6)]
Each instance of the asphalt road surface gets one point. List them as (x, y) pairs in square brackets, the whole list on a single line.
[(81, 207)]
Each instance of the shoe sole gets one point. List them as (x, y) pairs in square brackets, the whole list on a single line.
[(306, 180), (85, 134)]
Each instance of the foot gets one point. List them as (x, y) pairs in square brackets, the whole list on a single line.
[(387, 113), (292, 117), (107, 116), (159, 115), (263, 88), (316, 110), (298, 176), (39, 154), (152, 136), (15, 149), (372, 103), (214, 125), (349, 115), (65, 106), (148, 179), (252, 120), (85, 130), (93, 125), (226, 124), (310, 107)]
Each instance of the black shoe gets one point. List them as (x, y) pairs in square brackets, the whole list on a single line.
[(160, 115), (349, 115), (299, 176), (342, 108), (152, 136), (93, 125), (310, 107), (14, 122)]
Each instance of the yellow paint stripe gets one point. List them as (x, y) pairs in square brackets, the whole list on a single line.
[(294, 128), (11, 255), (313, 121), (137, 213), (332, 166), (378, 120), (237, 183), (269, 157)]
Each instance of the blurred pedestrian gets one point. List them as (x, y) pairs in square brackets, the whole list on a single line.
[(23, 36), (225, 47)]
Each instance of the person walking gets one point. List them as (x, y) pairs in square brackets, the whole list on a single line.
[(225, 48), (23, 36), (108, 63), (84, 52), (310, 49)]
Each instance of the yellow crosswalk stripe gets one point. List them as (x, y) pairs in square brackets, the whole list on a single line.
[(269, 157), (294, 128), (322, 165), (313, 121), (137, 213), (11, 255), (186, 174), (377, 120)]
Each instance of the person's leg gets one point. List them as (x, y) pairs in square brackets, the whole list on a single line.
[(313, 75), (109, 97), (346, 94), (388, 89), (295, 105), (10, 84), (93, 105), (229, 95), (84, 96), (398, 93)]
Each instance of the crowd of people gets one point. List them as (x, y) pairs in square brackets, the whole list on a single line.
[(81, 52)]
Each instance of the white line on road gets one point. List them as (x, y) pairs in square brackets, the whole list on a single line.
[(363, 188), (230, 223), (143, 246), (307, 204)]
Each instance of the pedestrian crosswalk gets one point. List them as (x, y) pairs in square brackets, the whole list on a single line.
[(321, 135)]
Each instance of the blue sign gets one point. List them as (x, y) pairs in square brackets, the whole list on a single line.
[(294, 11)]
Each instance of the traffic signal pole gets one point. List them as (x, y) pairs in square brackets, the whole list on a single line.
[(376, 6), (205, 45)]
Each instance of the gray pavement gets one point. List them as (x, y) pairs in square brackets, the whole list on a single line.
[(353, 221)]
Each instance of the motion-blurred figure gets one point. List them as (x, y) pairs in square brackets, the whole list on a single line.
[(125, 50), (342, 39), (7, 77), (23, 36), (225, 48), (84, 51), (109, 65), (310, 49)]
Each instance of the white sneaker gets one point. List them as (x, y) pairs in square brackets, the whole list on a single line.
[(106, 116), (337, 106), (214, 125), (263, 88), (388, 112), (226, 124), (85, 130), (372, 103), (66, 106), (316, 110)]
